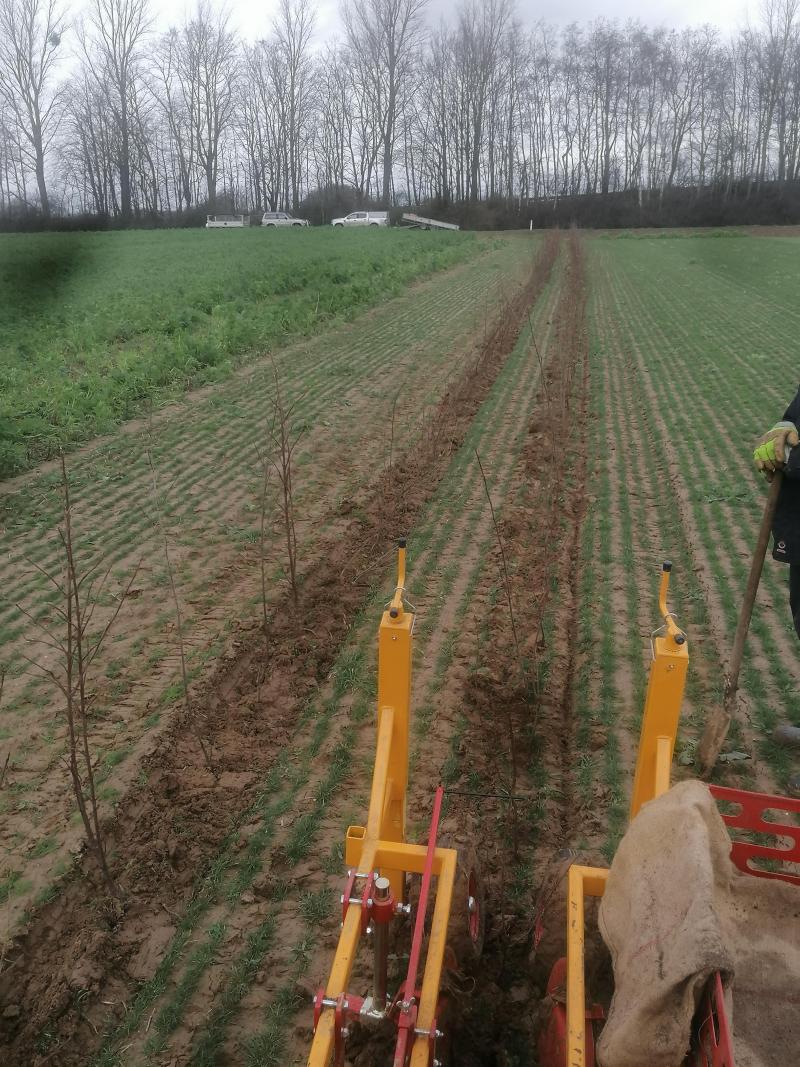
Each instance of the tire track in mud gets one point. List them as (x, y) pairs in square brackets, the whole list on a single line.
[(171, 825)]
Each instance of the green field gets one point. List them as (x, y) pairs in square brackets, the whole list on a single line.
[(343, 384), (96, 326), (695, 355), (616, 432)]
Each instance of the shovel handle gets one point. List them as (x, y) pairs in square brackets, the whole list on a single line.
[(749, 599), (719, 717)]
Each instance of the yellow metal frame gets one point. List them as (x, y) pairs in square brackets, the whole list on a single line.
[(656, 745), (381, 845)]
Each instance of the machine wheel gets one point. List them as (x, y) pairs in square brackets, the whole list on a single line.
[(467, 926), (297, 224), (374, 224), (338, 225)]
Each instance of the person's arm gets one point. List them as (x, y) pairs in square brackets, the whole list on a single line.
[(792, 413), (770, 452)]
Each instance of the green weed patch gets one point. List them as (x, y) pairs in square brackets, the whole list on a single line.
[(94, 328)]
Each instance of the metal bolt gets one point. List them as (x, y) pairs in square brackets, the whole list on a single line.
[(382, 888), (438, 1034)]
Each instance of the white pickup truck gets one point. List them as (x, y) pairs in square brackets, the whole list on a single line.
[(280, 218), (363, 218)]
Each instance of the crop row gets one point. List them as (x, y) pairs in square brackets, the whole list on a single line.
[(678, 351), (344, 385), (328, 764)]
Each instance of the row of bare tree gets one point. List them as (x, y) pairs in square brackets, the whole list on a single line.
[(101, 114)]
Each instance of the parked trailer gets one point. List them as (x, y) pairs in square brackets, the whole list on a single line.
[(226, 222), (420, 223)]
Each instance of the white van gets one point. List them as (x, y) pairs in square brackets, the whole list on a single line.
[(363, 218)]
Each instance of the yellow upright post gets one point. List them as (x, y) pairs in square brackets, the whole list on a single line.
[(394, 691), (662, 707)]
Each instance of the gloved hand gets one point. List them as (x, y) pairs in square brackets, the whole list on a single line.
[(770, 452)]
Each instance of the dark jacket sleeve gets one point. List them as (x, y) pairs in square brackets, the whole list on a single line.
[(792, 468), (792, 413)]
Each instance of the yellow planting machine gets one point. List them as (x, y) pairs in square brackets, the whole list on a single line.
[(381, 862)]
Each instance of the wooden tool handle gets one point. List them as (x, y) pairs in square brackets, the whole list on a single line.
[(719, 718)]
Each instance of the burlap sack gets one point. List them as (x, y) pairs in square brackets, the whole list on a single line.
[(674, 912)]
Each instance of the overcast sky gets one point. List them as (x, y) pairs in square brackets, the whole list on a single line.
[(253, 19)]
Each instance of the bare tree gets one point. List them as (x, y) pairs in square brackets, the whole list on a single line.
[(168, 84), (293, 27), (385, 33), (112, 53), (30, 37), (207, 59), (479, 107), (76, 646)]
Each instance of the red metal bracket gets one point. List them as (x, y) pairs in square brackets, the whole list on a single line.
[(714, 1035), (406, 1025), (347, 1007), (348, 892), (319, 996), (552, 1043), (366, 897), (406, 1022), (366, 902), (383, 911), (751, 817)]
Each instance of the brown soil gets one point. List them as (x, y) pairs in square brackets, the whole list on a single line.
[(79, 956), (517, 699)]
